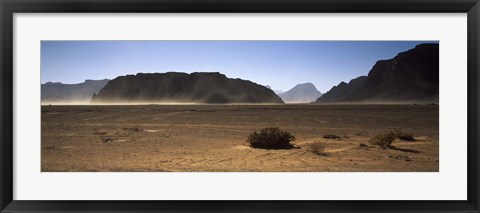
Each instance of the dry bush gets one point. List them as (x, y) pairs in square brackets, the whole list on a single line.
[(271, 138), (317, 148), (384, 139)]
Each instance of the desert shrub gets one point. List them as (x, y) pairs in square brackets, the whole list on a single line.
[(384, 139), (317, 148), (271, 138)]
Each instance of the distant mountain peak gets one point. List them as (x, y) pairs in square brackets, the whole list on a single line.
[(304, 85), (301, 93), (56, 92), (276, 91)]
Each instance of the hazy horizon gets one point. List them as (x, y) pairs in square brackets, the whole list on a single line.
[(279, 64)]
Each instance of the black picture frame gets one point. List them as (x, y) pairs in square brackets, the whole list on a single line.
[(9, 7)]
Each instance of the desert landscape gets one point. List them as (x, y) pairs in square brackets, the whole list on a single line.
[(212, 138), (273, 119)]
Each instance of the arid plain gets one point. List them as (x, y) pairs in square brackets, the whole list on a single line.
[(212, 138)]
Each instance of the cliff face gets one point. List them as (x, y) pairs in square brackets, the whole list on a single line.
[(411, 76), (66, 93), (178, 87)]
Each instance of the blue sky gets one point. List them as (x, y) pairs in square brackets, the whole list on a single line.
[(280, 64)]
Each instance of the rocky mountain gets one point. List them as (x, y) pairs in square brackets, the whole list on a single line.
[(301, 93), (411, 76), (342, 90), (55, 92), (176, 87)]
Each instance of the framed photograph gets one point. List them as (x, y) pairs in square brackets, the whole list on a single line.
[(255, 106)]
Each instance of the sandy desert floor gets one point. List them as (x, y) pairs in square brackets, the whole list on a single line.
[(211, 138)]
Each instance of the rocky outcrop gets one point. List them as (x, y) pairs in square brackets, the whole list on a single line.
[(176, 87), (411, 76)]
